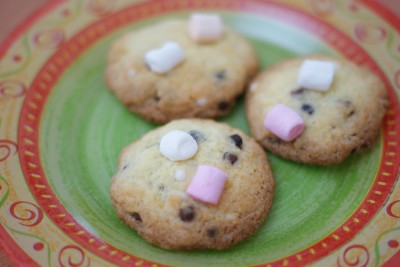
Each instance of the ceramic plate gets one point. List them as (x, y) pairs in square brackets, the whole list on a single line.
[(61, 132)]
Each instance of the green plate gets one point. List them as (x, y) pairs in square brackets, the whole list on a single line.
[(61, 133)]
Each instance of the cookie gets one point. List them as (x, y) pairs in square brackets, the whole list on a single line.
[(166, 199), (337, 121), (204, 81)]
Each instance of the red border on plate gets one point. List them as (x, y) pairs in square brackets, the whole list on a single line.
[(7, 244), (17, 255), (394, 261), (21, 28), (29, 123), (385, 13)]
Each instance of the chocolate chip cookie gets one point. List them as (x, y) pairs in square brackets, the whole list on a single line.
[(204, 84), (337, 122), (150, 190)]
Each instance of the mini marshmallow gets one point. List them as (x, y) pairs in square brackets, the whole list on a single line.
[(132, 73), (164, 59), (253, 87), (180, 175), (284, 122), (207, 184), (315, 74), (201, 101), (178, 145), (205, 27)]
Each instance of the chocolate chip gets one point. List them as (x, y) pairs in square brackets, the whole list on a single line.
[(198, 136), (347, 108), (237, 140), (232, 158), (308, 108), (223, 105), (298, 91), (212, 232), (220, 75), (136, 216), (274, 140), (187, 213), (365, 146), (156, 98), (161, 187), (351, 113), (347, 103)]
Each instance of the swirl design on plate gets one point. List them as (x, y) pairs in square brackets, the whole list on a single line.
[(49, 38), (370, 33), (397, 79), (72, 256), (28, 213), (20, 60), (323, 7), (7, 148), (386, 242), (393, 48), (12, 89), (36, 215), (390, 210), (353, 9), (68, 14), (4, 190), (101, 7), (76, 46), (351, 256)]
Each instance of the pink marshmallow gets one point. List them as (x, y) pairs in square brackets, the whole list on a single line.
[(205, 28), (284, 122), (207, 184)]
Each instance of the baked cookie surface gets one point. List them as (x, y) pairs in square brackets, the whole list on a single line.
[(148, 190), (338, 122), (206, 84)]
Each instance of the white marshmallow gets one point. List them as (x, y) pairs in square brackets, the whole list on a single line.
[(253, 87), (201, 101), (180, 175), (164, 59), (316, 74), (178, 145)]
